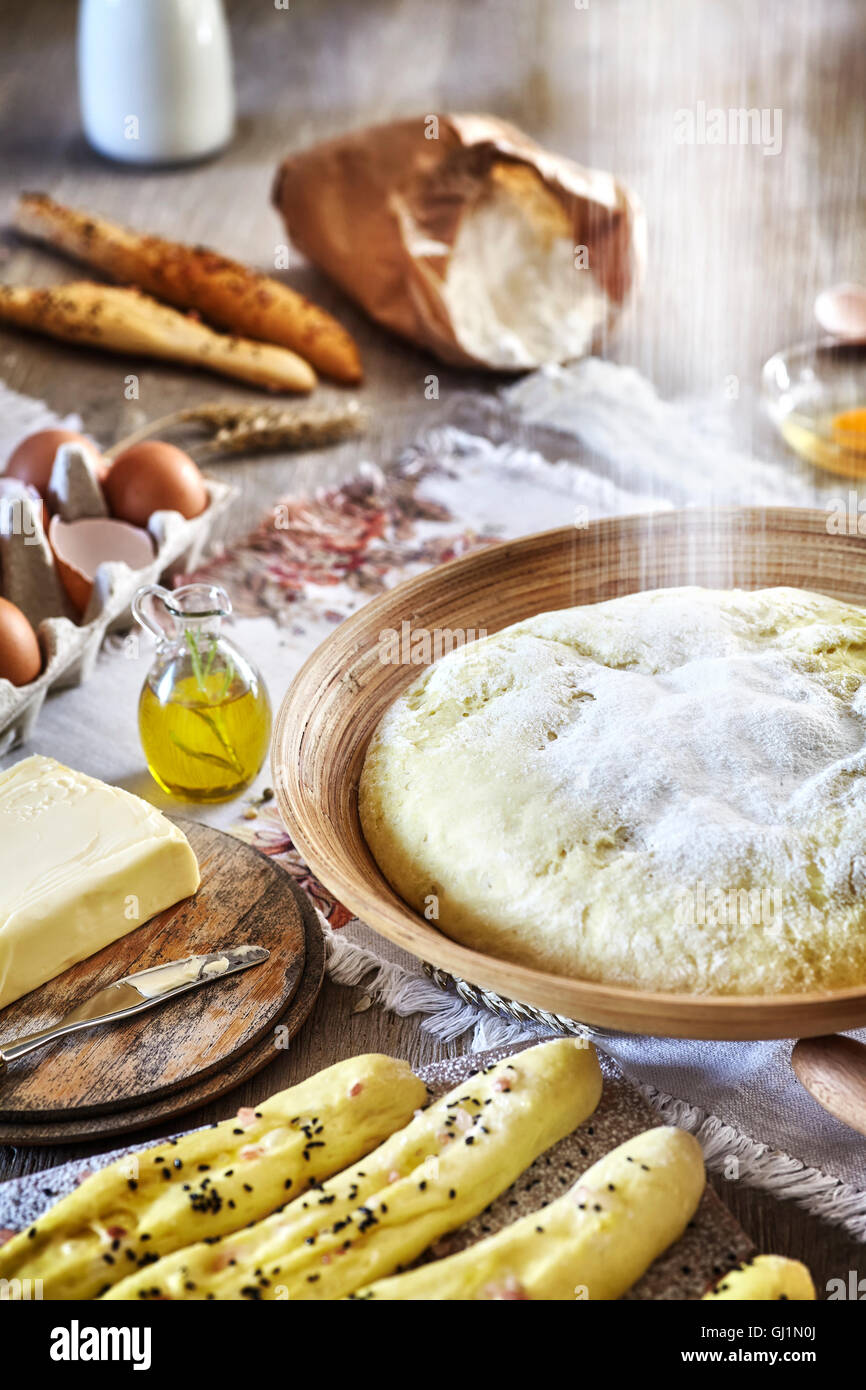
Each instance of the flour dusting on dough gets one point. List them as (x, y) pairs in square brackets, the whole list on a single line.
[(569, 787)]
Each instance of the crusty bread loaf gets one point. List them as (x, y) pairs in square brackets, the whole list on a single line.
[(125, 321), (193, 277)]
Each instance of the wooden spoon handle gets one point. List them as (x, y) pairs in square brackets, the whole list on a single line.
[(833, 1070)]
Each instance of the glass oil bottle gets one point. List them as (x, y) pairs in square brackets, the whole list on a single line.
[(204, 714)]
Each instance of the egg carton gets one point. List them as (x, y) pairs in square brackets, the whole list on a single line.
[(29, 579)]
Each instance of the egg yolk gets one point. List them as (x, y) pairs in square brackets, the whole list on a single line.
[(849, 430)]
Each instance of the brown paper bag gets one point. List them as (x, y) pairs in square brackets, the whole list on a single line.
[(464, 236)]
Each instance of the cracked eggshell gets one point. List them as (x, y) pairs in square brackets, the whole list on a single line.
[(81, 547), (841, 312)]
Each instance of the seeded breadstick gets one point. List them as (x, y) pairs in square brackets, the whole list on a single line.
[(113, 320), (192, 277), (212, 1181), (765, 1278), (439, 1171), (592, 1243)]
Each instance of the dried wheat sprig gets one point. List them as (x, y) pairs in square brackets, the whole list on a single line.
[(283, 428), (238, 429)]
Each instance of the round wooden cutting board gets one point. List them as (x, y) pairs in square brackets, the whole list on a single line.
[(118, 1077)]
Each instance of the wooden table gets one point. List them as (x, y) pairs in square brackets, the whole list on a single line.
[(740, 243)]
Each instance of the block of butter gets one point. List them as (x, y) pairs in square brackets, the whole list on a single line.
[(81, 864)]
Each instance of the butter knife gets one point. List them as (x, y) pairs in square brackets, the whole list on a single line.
[(135, 993)]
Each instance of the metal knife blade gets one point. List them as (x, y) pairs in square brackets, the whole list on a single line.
[(143, 990)]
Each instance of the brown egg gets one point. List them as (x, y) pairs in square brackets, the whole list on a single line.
[(80, 547), (154, 477), (33, 459), (20, 657)]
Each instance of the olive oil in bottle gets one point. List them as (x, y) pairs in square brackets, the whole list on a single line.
[(204, 714)]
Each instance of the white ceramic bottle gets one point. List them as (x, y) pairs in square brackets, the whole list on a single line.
[(155, 79)]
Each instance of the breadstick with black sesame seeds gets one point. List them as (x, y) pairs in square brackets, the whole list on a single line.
[(764, 1279), (424, 1181), (592, 1244), (213, 1180)]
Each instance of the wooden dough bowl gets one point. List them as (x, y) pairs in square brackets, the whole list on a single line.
[(339, 695)]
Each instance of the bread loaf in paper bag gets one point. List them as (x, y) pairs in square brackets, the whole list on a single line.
[(463, 235)]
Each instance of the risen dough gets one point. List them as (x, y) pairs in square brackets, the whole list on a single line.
[(664, 791)]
